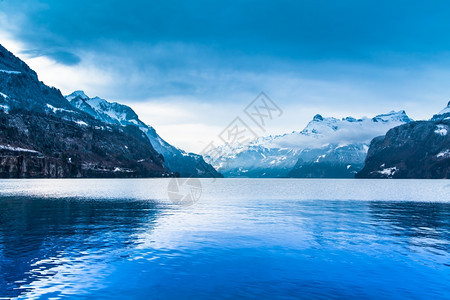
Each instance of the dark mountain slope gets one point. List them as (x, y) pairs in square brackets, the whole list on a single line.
[(416, 150), (43, 135), (175, 159)]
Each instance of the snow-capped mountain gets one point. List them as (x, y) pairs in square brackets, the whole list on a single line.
[(43, 136), (326, 147), (418, 149), (112, 113), (175, 159), (445, 112)]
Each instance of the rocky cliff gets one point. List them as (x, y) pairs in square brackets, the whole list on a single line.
[(43, 135), (175, 159), (416, 150)]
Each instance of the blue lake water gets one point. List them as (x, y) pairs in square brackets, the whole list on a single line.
[(236, 238)]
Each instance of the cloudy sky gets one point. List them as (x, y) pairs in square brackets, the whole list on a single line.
[(189, 68)]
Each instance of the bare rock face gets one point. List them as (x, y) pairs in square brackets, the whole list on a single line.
[(415, 150), (37, 167), (42, 135)]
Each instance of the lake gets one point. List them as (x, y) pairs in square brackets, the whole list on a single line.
[(225, 239)]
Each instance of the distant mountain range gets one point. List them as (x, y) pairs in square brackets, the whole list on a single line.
[(44, 134), (418, 149), (325, 148), (175, 159)]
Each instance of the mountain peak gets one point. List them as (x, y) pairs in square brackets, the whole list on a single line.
[(446, 110), (328, 125), (393, 116), (98, 101), (75, 94), (318, 118), (177, 160)]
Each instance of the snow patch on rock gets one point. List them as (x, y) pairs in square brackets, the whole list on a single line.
[(9, 72), (389, 172), (5, 108), (57, 109), (81, 123), (444, 154), (17, 149), (441, 130)]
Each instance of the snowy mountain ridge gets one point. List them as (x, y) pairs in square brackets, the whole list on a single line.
[(44, 136), (446, 110), (109, 112), (175, 159), (332, 140)]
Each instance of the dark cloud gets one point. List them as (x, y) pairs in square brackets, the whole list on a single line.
[(65, 58), (295, 29), (62, 57), (215, 48)]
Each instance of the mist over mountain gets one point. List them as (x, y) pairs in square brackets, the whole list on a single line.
[(326, 147)]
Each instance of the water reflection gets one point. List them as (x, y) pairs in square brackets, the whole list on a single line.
[(41, 238), (223, 247), (415, 219), (425, 226)]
